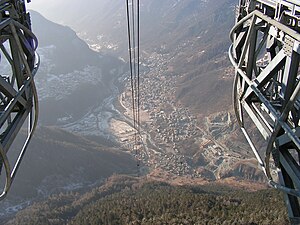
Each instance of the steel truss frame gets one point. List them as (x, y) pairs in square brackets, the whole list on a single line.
[(266, 55), (18, 97)]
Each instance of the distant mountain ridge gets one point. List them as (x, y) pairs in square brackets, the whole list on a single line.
[(72, 77), (193, 32), (192, 35), (70, 53)]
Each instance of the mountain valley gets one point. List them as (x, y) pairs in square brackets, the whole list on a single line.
[(184, 84), (189, 135)]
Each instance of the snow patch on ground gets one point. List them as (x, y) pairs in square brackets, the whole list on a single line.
[(61, 85)]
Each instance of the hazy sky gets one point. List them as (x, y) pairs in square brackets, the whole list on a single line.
[(54, 10), (40, 4), (57, 10), (44, 7), (48, 5)]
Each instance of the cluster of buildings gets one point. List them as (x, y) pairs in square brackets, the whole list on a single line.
[(178, 145), (167, 123)]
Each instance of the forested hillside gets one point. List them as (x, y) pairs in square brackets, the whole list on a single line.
[(127, 200)]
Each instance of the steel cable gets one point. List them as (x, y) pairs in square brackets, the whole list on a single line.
[(134, 61)]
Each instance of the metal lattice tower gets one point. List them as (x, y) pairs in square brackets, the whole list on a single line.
[(18, 97), (266, 54)]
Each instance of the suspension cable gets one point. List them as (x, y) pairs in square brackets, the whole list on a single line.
[(130, 61), (133, 21), (138, 61)]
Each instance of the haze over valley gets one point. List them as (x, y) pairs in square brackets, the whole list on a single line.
[(185, 83)]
